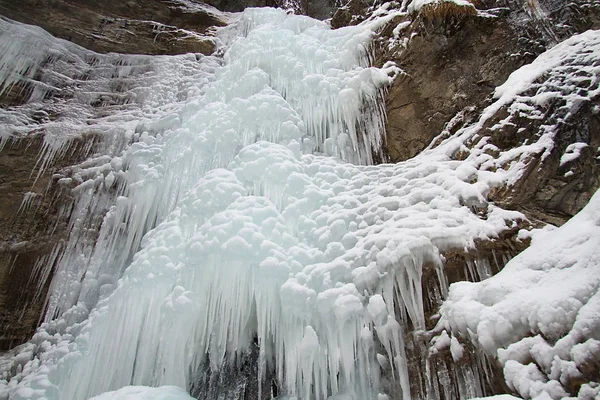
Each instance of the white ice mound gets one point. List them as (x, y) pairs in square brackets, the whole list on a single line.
[(541, 313), (310, 256), (145, 393)]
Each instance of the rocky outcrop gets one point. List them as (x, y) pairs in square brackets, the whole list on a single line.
[(23, 240), (149, 27), (555, 187), (33, 222), (456, 58), (445, 69)]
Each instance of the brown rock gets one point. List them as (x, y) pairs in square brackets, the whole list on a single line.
[(456, 58), (24, 238), (133, 27), (30, 231), (446, 68)]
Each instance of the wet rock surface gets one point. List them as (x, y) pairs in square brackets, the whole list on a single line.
[(29, 229)]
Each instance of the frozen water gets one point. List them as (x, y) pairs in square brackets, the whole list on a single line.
[(242, 209), (313, 92), (145, 393)]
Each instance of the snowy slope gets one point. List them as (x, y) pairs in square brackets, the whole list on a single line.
[(540, 313), (145, 393)]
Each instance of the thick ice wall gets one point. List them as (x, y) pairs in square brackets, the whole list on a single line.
[(244, 104), (172, 150), (289, 248)]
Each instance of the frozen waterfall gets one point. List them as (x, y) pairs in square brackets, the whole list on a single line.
[(240, 217)]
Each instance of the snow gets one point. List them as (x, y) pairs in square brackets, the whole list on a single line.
[(145, 393), (566, 75), (238, 204), (416, 5), (539, 315), (572, 152), (456, 349)]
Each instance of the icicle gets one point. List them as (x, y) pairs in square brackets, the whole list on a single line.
[(27, 202)]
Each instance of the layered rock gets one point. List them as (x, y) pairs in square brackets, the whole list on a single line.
[(149, 27), (456, 57)]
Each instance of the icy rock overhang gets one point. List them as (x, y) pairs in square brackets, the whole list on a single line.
[(71, 104)]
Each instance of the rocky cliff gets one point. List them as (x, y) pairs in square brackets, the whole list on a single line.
[(152, 27)]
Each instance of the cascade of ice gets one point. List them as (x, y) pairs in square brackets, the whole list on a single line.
[(256, 222)]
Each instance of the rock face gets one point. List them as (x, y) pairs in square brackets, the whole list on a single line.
[(446, 68), (452, 63), (454, 60), (132, 27), (23, 241), (457, 58), (555, 187), (32, 223)]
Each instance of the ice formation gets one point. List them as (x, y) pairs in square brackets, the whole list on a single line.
[(240, 208), (145, 393)]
